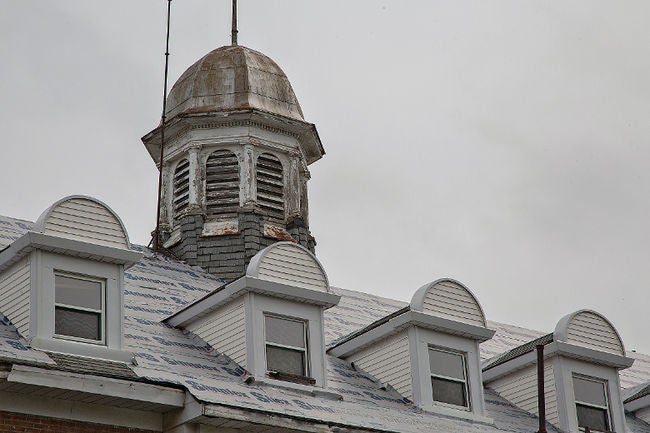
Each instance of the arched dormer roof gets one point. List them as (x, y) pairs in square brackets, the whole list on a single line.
[(589, 329), (291, 264), (449, 299), (85, 219)]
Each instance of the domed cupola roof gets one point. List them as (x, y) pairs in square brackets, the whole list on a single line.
[(233, 78)]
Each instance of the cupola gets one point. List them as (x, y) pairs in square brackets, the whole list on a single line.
[(235, 164)]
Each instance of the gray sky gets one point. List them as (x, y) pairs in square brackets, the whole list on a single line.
[(501, 143)]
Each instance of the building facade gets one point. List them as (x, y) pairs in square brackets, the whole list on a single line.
[(234, 325)]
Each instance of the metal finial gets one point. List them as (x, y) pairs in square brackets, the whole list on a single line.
[(233, 34)]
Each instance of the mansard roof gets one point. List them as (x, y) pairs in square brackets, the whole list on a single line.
[(174, 359)]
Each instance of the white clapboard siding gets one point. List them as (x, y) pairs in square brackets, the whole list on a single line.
[(452, 301), (15, 294), (388, 361), (85, 220), (590, 330), (225, 330), (520, 388), (643, 414), (291, 265)]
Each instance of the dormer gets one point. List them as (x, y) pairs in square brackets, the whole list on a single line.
[(637, 401), (582, 358), (428, 351), (61, 284), (270, 321)]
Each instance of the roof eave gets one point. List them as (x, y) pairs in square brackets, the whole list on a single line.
[(248, 284), (402, 321), (30, 241)]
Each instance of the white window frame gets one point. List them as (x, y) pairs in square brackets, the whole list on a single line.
[(101, 311), (305, 350), (606, 407), (465, 380)]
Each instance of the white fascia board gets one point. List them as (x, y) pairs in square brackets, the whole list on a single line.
[(249, 284), (71, 247), (96, 351), (639, 403), (405, 320), (589, 355), (557, 348), (448, 326), (104, 386), (276, 420)]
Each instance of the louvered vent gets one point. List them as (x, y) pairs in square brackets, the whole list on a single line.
[(181, 186), (222, 183), (270, 186)]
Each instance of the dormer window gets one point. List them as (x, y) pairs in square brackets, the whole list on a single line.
[(79, 308), (270, 321), (581, 361), (286, 346), (68, 276), (448, 378), (428, 351), (592, 406)]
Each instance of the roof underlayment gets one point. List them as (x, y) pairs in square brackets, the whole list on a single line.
[(156, 287)]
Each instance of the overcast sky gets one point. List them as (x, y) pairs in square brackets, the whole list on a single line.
[(501, 143)]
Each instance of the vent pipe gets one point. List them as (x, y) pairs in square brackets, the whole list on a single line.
[(541, 398)]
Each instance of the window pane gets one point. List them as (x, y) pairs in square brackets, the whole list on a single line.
[(595, 419), (75, 323), (285, 331), (285, 360), (446, 364), (448, 391), (589, 391), (78, 292)]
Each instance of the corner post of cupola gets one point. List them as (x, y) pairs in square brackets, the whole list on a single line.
[(248, 185), (293, 190), (196, 179), (165, 210), (304, 196)]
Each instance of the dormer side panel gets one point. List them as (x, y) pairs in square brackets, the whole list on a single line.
[(591, 330), (15, 292), (225, 330), (86, 220), (286, 263), (520, 388), (389, 361), (643, 414), (449, 299)]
